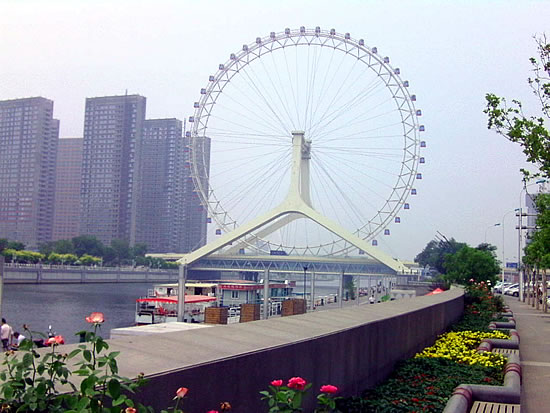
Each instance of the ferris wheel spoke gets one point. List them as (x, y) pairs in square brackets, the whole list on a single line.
[(263, 98), (355, 122), (332, 113), (266, 117), (344, 196), (337, 114), (269, 185), (336, 94), (341, 159), (362, 136), (354, 184), (276, 90), (253, 119), (387, 154), (238, 173), (258, 174), (320, 103)]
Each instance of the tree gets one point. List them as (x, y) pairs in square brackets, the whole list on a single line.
[(138, 250), (122, 250), (471, 263), (529, 131), (434, 253), (87, 244)]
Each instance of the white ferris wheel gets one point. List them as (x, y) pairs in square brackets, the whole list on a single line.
[(320, 113)]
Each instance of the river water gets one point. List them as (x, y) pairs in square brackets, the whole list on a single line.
[(65, 306)]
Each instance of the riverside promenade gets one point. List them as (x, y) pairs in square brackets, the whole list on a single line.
[(534, 330)]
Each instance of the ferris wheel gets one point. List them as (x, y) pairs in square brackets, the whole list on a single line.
[(359, 132)]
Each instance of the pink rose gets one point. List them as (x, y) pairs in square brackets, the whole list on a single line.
[(54, 341), (181, 392), (297, 383), (277, 383), (212, 411), (95, 318), (329, 388)]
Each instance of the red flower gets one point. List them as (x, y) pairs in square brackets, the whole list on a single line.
[(297, 383), (181, 392), (54, 341), (95, 318), (277, 383), (329, 388), (212, 411), (130, 410), (414, 399)]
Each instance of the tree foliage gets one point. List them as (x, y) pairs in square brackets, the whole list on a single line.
[(471, 263), (434, 253), (537, 252), (530, 131)]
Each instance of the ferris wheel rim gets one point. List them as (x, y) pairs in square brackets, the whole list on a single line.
[(321, 38)]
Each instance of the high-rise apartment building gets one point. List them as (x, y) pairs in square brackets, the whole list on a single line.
[(66, 222), (110, 160), (195, 212), (170, 217), (28, 145)]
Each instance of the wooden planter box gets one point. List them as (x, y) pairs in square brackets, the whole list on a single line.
[(249, 312), (215, 315), (293, 306)]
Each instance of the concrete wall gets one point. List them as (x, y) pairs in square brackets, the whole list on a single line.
[(34, 274), (353, 348)]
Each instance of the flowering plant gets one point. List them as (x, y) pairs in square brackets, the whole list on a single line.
[(30, 380), (288, 398)]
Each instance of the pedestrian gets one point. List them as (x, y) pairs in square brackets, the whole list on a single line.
[(17, 339), (6, 333), (371, 299)]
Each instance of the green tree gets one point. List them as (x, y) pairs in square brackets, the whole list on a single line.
[(122, 250), (530, 131), (471, 263), (89, 260), (138, 250), (16, 245), (87, 244), (434, 253)]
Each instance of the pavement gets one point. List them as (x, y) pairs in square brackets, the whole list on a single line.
[(534, 331)]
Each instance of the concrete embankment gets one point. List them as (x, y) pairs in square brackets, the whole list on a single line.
[(354, 347)]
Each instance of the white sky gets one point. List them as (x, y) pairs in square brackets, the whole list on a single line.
[(452, 52)]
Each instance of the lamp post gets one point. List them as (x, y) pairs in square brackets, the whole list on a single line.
[(503, 262), (487, 229), (305, 269)]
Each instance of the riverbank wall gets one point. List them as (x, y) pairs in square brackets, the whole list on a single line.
[(354, 348), (42, 274)]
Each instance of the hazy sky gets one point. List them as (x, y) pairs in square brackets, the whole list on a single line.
[(452, 52)]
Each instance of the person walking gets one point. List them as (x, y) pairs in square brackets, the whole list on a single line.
[(6, 333)]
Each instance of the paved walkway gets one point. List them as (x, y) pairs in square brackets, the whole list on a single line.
[(534, 330)]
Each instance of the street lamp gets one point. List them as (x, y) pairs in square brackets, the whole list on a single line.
[(305, 269), (503, 218), (491, 226)]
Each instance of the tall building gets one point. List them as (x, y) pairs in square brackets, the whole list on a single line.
[(195, 212), (169, 215), (28, 145), (112, 141), (66, 222)]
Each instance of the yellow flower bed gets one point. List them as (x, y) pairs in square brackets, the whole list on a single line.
[(461, 347)]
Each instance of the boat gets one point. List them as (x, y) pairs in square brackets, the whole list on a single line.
[(161, 303), (154, 310)]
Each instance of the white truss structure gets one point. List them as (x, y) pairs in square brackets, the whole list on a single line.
[(296, 205)]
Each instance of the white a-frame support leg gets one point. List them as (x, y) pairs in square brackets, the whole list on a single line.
[(297, 204)]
